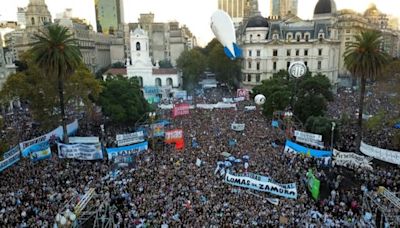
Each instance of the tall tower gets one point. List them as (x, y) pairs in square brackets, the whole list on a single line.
[(37, 14), (235, 8), (281, 8), (109, 15)]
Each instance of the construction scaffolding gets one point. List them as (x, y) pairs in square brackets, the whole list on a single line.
[(384, 205)]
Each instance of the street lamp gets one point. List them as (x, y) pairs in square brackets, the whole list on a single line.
[(332, 133)]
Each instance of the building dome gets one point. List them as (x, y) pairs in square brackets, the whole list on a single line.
[(371, 11), (257, 21), (138, 31), (325, 7)]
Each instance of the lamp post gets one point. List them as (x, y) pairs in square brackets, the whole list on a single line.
[(332, 133), (152, 116)]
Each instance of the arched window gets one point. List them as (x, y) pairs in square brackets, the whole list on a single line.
[(33, 21), (158, 82), (137, 46), (169, 81), (140, 81)]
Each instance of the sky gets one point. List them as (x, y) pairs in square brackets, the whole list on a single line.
[(195, 14)]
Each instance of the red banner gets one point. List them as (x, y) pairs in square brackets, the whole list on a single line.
[(180, 144), (180, 110), (173, 135), (243, 93)]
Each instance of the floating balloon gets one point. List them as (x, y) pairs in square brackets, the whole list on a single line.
[(223, 29), (259, 99)]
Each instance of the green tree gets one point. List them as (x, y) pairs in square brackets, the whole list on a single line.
[(226, 70), (322, 126), (56, 52), (365, 59), (192, 63), (122, 100), (40, 92)]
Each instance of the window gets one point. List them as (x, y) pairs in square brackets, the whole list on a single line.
[(158, 82), (250, 53), (275, 52), (169, 81), (348, 31), (297, 52), (288, 52), (249, 65), (298, 38), (287, 65), (307, 37), (258, 77), (306, 63), (258, 53), (319, 52), (319, 65), (274, 66), (137, 46), (258, 66), (251, 37), (305, 52), (249, 77)]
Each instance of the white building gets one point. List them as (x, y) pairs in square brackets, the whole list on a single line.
[(272, 45), (165, 81)]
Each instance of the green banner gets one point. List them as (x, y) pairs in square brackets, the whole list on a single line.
[(313, 184)]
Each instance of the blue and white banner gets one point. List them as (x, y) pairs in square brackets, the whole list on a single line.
[(53, 135), (180, 94), (255, 182), (13, 156), (80, 151), (89, 140), (293, 147), (135, 149), (151, 90), (39, 151)]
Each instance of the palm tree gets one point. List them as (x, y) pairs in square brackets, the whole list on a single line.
[(57, 53), (365, 59)]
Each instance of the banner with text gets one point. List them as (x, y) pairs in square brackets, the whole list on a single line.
[(237, 127), (260, 185), (12, 157), (53, 135), (180, 110), (307, 135), (351, 160), (173, 135), (157, 129), (80, 151), (293, 147), (130, 138), (135, 150), (313, 184), (390, 156), (243, 93)]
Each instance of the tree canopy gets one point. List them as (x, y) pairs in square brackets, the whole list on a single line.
[(122, 100)]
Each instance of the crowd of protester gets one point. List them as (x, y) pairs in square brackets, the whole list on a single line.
[(167, 188)]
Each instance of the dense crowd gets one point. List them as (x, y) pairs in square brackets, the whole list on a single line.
[(167, 188)]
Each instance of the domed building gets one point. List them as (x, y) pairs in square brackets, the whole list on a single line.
[(271, 44)]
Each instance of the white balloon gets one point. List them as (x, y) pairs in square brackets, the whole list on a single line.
[(72, 217), (259, 99), (63, 220), (58, 217)]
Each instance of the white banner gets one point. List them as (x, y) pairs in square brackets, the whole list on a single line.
[(306, 135), (250, 108), (257, 183), (390, 156), (310, 141), (130, 138), (90, 140), (351, 160), (80, 151), (237, 127), (205, 106)]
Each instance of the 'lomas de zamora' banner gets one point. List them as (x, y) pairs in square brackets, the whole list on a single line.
[(351, 160), (390, 156), (259, 184)]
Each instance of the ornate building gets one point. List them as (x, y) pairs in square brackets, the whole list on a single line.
[(166, 40), (165, 81), (272, 45)]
